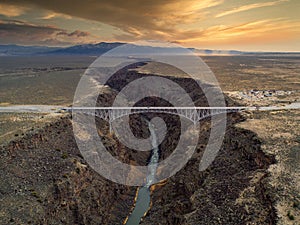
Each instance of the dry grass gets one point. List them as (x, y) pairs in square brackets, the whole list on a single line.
[(280, 133)]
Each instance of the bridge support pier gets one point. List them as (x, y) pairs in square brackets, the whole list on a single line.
[(195, 124), (110, 127)]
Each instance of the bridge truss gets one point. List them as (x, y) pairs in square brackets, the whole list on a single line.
[(194, 114)]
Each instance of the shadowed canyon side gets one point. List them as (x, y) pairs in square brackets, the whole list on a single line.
[(57, 186), (45, 180)]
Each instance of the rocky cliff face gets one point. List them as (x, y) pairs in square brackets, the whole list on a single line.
[(232, 190), (45, 180)]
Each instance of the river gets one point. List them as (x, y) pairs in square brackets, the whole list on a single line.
[(143, 200)]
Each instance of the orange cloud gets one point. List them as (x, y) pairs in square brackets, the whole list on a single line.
[(163, 16), (11, 10), (52, 15), (249, 7), (262, 31)]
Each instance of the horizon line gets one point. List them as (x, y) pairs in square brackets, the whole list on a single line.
[(119, 42)]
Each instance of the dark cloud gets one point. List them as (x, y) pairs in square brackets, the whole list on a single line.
[(139, 19), (76, 33), (16, 31)]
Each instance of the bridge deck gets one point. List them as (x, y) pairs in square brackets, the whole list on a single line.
[(159, 108)]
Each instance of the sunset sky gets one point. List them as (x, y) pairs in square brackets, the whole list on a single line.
[(251, 25)]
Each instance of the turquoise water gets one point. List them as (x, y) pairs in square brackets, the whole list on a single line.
[(141, 206), (143, 200)]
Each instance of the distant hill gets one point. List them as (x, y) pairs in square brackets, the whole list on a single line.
[(87, 49), (217, 52), (8, 50), (103, 47)]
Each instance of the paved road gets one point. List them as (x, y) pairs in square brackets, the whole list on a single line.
[(31, 108), (57, 108)]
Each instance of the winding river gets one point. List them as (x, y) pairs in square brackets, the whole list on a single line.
[(143, 200)]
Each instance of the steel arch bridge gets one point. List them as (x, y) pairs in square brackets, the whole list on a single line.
[(194, 114)]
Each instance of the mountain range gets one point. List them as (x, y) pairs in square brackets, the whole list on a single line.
[(103, 47)]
